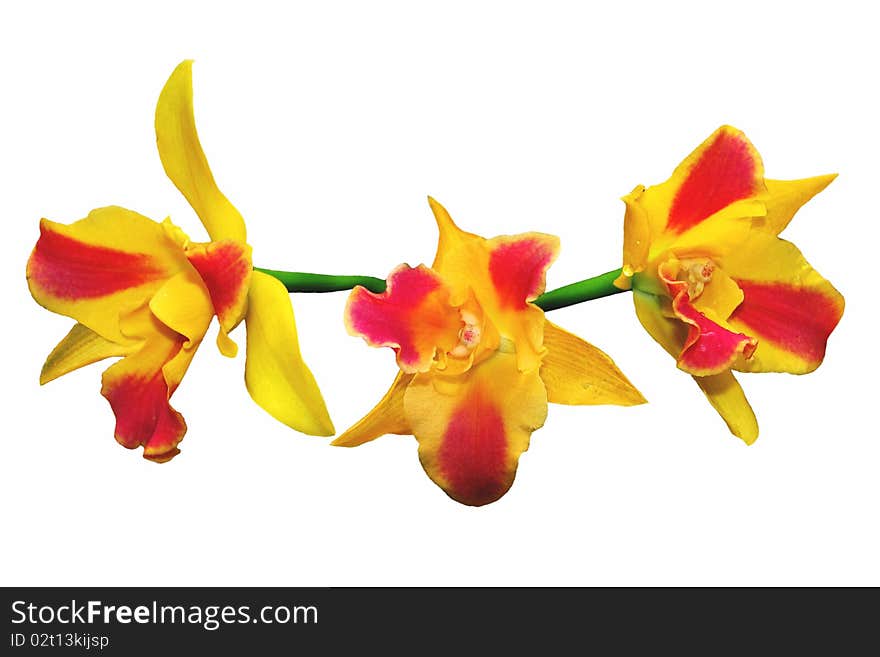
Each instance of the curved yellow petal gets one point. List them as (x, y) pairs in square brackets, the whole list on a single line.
[(787, 196), (386, 417), (576, 372), (184, 161), (275, 373), (80, 347), (473, 428), (184, 305), (727, 397), (102, 266)]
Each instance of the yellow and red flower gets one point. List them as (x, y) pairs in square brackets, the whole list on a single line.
[(478, 362), (714, 284), (142, 290)]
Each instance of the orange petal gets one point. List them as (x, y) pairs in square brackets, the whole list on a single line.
[(472, 428)]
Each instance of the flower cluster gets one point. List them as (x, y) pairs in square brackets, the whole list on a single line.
[(478, 360)]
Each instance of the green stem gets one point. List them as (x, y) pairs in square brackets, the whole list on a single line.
[(296, 281), (586, 290), (569, 295)]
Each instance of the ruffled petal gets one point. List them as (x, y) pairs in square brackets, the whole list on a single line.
[(386, 417), (726, 396), (109, 263), (275, 373), (80, 347), (709, 347), (185, 163), (472, 428), (576, 372), (787, 305), (139, 386), (225, 267), (785, 197), (413, 316)]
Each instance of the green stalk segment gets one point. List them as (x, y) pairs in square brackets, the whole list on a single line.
[(296, 281), (586, 290)]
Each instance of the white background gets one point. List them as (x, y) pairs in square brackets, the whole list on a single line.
[(327, 125)]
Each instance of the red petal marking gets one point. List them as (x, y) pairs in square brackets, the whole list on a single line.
[(225, 267), (473, 456), (724, 173), (518, 268), (67, 268), (709, 347), (409, 316), (144, 417), (795, 319)]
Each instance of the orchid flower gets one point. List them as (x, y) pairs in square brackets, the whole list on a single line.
[(143, 291), (478, 362), (714, 284)]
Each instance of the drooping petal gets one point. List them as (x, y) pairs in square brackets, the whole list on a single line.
[(709, 347), (787, 305), (785, 197), (726, 396), (106, 264), (722, 170), (503, 274), (139, 386), (80, 347), (225, 267), (386, 417), (185, 163), (576, 372), (472, 428), (275, 373), (413, 316)]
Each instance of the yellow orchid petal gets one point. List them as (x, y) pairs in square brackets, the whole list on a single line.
[(714, 237), (184, 161), (787, 196), (787, 305), (386, 417), (96, 268), (473, 428), (727, 397), (80, 347), (184, 305), (275, 373), (576, 372)]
